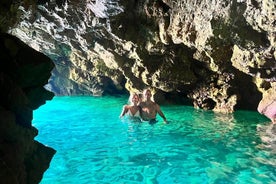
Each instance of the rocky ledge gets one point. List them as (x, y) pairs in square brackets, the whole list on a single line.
[(23, 73)]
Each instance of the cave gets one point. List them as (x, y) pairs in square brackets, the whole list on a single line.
[(219, 56)]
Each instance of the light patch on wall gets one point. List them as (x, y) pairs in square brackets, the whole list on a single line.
[(104, 8)]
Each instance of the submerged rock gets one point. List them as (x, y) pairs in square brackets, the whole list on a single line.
[(267, 134)]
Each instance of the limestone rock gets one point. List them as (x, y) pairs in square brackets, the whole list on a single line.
[(23, 73), (72, 35), (213, 52), (220, 54), (267, 105)]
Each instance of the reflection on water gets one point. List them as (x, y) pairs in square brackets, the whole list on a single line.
[(267, 134)]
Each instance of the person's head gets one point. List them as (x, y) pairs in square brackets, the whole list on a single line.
[(147, 94), (134, 99)]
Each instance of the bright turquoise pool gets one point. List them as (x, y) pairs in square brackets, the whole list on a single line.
[(95, 146)]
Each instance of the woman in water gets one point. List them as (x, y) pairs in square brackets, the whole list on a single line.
[(133, 110)]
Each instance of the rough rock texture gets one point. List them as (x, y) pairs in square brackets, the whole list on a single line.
[(218, 53), (23, 73), (73, 37), (267, 106)]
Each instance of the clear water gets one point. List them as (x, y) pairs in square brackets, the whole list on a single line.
[(95, 146)]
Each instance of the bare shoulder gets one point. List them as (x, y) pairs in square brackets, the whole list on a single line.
[(156, 105)]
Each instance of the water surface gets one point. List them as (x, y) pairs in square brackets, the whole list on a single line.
[(95, 146)]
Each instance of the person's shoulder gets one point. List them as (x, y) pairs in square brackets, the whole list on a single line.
[(126, 106), (156, 105)]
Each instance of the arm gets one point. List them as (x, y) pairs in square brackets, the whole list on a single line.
[(124, 111), (140, 111), (158, 109)]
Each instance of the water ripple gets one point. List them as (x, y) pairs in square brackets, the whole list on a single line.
[(95, 146)]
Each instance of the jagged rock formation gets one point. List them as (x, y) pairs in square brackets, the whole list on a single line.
[(74, 38), (220, 54), (23, 73)]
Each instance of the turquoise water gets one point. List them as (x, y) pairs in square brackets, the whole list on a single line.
[(95, 146)]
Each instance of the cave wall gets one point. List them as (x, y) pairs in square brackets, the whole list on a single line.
[(219, 54), (229, 57), (23, 73)]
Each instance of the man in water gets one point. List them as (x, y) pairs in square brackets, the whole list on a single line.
[(150, 108)]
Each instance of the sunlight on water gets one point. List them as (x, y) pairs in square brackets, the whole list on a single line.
[(95, 146)]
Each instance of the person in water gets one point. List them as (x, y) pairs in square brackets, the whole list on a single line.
[(132, 110), (150, 108)]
